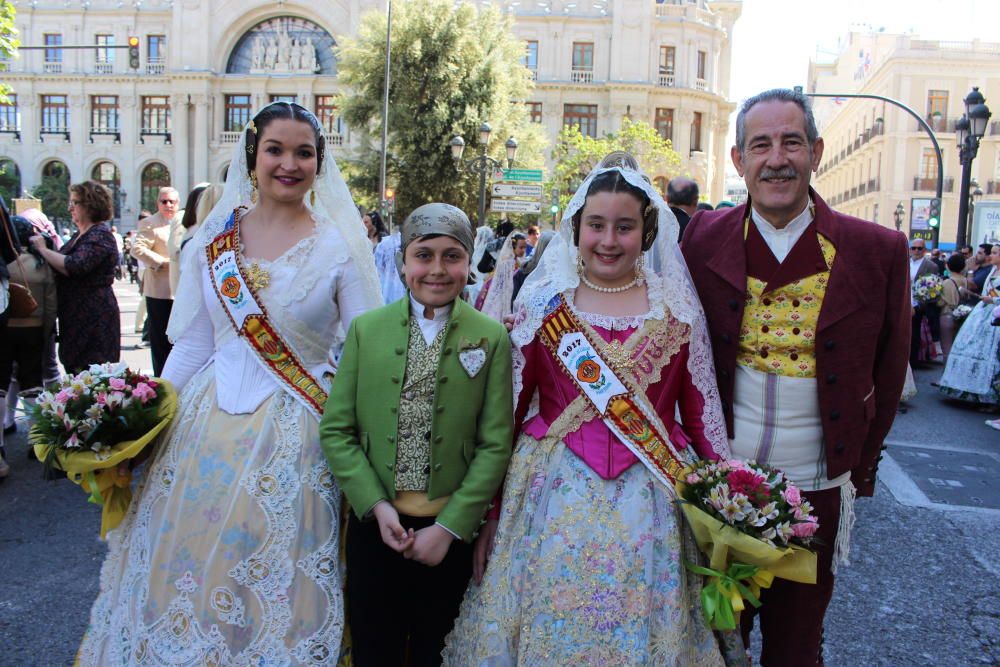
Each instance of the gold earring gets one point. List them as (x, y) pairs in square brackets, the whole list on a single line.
[(579, 265), (312, 198), (253, 187), (639, 265)]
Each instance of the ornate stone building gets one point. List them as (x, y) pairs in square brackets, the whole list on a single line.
[(876, 155), (205, 65)]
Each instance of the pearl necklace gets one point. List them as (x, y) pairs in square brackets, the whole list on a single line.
[(638, 280)]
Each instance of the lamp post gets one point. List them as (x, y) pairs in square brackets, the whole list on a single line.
[(482, 164), (969, 130), (898, 215)]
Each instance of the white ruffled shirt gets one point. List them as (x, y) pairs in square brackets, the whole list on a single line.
[(314, 290), (430, 328)]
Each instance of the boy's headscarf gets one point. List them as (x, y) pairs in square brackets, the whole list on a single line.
[(438, 220)]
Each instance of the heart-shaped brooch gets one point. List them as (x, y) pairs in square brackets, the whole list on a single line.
[(472, 356)]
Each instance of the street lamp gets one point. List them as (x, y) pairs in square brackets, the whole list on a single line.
[(482, 164), (898, 215), (969, 130)]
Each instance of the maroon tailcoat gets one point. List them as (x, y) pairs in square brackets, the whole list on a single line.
[(862, 337)]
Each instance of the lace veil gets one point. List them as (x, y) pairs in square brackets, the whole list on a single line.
[(664, 264), (333, 206), (497, 303)]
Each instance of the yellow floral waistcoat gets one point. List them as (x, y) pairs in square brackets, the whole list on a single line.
[(778, 331)]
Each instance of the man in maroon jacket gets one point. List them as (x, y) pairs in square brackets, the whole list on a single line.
[(809, 315)]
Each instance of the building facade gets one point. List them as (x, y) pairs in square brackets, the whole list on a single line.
[(876, 155), (206, 65)]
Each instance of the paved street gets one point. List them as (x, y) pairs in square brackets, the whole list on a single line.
[(920, 589)]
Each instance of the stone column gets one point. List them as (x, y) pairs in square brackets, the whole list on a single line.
[(180, 175), (200, 138)]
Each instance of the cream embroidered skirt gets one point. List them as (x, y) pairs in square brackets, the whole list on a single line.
[(228, 555), (586, 571)]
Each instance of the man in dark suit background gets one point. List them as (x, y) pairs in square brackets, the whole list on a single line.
[(922, 265), (682, 196), (808, 312)]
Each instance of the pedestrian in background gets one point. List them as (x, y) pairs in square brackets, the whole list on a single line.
[(90, 331), (151, 248), (178, 226), (374, 228), (682, 196), (23, 340), (953, 293)]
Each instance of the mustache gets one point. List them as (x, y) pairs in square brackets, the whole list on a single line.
[(784, 172)]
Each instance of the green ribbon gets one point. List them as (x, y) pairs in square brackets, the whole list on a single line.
[(95, 494), (722, 590)]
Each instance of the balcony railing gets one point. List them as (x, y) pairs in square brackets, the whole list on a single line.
[(700, 84), (229, 137), (59, 131), (106, 132), (582, 75), (333, 139), (666, 81), (52, 68), (920, 183), (154, 132), (104, 67), (156, 65)]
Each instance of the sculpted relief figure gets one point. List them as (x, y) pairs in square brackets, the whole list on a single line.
[(257, 55)]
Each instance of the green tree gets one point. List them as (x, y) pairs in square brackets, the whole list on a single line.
[(53, 191), (575, 155), (10, 180), (8, 41), (452, 69)]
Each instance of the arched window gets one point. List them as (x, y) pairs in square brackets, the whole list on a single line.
[(660, 182), (106, 173), (10, 180), (154, 176), (284, 45)]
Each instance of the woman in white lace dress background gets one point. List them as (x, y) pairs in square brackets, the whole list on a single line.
[(228, 554)]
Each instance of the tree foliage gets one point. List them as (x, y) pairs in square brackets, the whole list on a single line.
[(452, 69), (575, 155), (53, 191), (8, 41)]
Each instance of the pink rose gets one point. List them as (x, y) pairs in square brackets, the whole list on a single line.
[(65, 395), (117, 384), (693, 479), (792, 496), (143, 392), (805, 529)]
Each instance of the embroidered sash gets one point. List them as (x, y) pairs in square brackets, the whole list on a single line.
[(250, 320), (622, 408)]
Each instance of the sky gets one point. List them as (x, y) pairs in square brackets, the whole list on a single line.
[(773, 40)]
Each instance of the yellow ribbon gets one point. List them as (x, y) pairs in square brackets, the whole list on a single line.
[(111, 489)]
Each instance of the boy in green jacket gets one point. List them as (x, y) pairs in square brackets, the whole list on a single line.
[(417, 431)]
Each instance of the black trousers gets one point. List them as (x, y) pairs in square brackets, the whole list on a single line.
[(392, 601), (158, 314)]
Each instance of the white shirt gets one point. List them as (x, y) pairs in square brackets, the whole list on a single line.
[(781, 241), (430, 328), (914, 267)]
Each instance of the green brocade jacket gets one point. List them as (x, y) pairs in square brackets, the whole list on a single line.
[(473, 419)]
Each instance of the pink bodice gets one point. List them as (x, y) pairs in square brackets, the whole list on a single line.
[(594, 442)]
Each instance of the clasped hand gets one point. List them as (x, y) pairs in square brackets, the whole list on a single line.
[(428, 545)]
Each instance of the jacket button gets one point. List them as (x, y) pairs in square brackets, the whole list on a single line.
[(839, 448), (392, 409), (795, 303), (796, 331), (793, 356), (400, 350), (447, 350), (390, 466), (831, 378), (726, 338), (438, 439), (395, 379), (437, 466), (828, 344), (403, 468), (834, 415), (868, 480), (439, 409), (763, 354), (443, 379), (878, 459), (765, 329), (390, 438), (733, 304)]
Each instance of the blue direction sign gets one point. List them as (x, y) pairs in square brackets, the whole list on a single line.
[(530, 175)]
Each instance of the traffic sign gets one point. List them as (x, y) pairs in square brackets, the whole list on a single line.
[(516, 190), (531, 175), (515, 206)]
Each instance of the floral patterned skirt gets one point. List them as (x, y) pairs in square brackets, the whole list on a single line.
[(972, 372), (585, 571), (229, 552)]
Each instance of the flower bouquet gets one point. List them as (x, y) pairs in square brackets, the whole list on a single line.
[(93, 421), (927, 288), (960, 312), (753, 525)]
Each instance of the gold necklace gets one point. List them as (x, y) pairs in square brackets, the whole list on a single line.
[(258, 277)]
